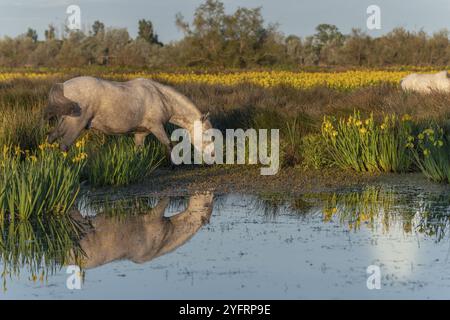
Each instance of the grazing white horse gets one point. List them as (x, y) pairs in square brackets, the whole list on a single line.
[(426, 83), (140, 106)]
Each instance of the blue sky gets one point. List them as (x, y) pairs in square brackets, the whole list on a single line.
[(294, 16)]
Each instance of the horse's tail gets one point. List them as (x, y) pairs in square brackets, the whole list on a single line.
[(59, 105)]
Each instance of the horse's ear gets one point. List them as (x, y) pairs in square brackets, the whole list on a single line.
[(205, 116)]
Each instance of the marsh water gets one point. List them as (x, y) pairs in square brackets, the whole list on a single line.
[(237, 246)]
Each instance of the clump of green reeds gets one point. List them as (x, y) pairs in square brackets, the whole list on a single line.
[(367, 146), (315, 154), (432, 153), (44, 182), (119, 162)]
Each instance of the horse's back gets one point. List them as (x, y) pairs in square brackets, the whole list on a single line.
[(104, 93)]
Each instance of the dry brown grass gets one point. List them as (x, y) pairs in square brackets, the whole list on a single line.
[(314, 103)]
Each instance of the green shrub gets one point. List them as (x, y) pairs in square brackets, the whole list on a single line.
[(119, 162), (366, 146), (40, 183), (314, 152)]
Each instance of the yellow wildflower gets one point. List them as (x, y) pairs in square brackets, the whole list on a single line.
[(406, 117)]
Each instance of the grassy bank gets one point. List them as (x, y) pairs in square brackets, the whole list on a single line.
[(370, 129)]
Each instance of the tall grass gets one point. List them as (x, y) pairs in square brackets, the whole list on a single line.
[(314, 152), (292, 143), (367, 146), (119, 162), (41, 183), (22, 127)]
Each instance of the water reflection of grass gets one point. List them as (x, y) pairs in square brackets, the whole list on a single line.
[(371, 207), (40, 245), (272, 204), (117, 206), (122, 207)]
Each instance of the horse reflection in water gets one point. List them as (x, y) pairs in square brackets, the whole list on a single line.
[(144, 237)]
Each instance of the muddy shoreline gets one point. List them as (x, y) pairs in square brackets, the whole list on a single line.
[(188, 180)]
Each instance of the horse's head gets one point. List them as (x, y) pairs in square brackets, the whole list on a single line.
[(206, 145)]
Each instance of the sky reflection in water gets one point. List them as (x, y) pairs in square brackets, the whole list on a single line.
[(267, 246)]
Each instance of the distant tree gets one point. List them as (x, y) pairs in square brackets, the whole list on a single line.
[(98, 28), (238, 40), (32, 34), (71, 53), (294, 49), (357, 49), (45, 53), (216, 38), (147, 33), (326, 40), (50, 33), (245, 35), (327, 33), (206, 35), (438, 48), (113, 42), (16, 52)]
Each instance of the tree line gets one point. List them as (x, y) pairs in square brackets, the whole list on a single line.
[(220, 40)]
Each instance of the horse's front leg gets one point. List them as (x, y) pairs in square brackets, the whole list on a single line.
[(56, 133), (161, 135), (139, 138), (71, 130)]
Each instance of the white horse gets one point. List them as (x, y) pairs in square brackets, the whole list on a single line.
[(139, 106), (426, 83)]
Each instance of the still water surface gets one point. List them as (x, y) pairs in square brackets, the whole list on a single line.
[(238, 246)]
